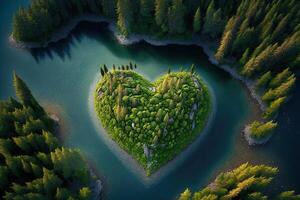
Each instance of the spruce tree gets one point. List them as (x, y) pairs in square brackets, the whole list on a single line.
[(227, 38), (146, 11), (125, 16), (109, 8), (161, 13), (197, 20), (176, 17)]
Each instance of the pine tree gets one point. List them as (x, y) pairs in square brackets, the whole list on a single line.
[(25, 96), (213, 22), (125, 16), (85, 193), (280, 91), (264, 79), (244, 57), (50, 181), (161, 13), (186, 195), (197, 21), (227, 38), (263, 60), (109, 8), (274, 107), (259, 130), (146, 11), (176, 17), (288, 195), (281, 77), (244, 40)]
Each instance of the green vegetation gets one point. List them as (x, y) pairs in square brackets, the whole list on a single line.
[(152, 121), (261, 130), (262, 38), (33, 165), (246, 182)]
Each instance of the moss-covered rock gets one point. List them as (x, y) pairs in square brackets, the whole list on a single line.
[(152, 121)]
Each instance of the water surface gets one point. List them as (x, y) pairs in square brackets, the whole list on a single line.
[(63, 73)]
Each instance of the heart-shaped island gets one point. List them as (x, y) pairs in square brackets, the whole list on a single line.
[(153, 122)]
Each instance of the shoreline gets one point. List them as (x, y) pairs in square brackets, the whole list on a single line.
[(129, 162), (63, 32), (56, 113), (251, 141)]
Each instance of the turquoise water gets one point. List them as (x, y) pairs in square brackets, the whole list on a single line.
[(63, 73)]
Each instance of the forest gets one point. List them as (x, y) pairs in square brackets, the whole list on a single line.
[(33, 163), (152, 121), (246, 182), (259, 39)]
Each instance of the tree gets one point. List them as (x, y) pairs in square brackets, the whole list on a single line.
[(213, 22), (274, 107), (22, 92), (85, 193), (197, 20), (281, 77), (50, 182), (261, 61), (264, 79), (261, 130), (227, 37), (166, 119), (146, 11), (161, 13), (125, 16), (288, 195), (244, 57), (109, 8), (186, 195), (176, 17), (243, 182), (280, 91), (5, 177), (70, 164)]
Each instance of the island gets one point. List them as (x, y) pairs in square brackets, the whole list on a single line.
[(33, 163), (247, 182), (153, 122), (257, 42)]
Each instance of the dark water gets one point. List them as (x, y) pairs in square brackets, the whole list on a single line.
[(63, 73)]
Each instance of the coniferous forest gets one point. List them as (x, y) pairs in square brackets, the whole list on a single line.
[(259, 40), (33, 164)]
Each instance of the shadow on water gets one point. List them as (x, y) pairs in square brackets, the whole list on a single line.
[(100, 33)]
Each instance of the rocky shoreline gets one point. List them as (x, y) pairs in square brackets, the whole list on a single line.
[(134, 38)]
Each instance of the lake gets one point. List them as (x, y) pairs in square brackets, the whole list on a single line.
[(62, 74)]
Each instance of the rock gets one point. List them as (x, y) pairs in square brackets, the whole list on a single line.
[(192, 115), (197, 84), (194, 107), (146, 151), (132, 125), (97, 189), (171, 120), (54, 118), (193, 125), (152, 89)]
